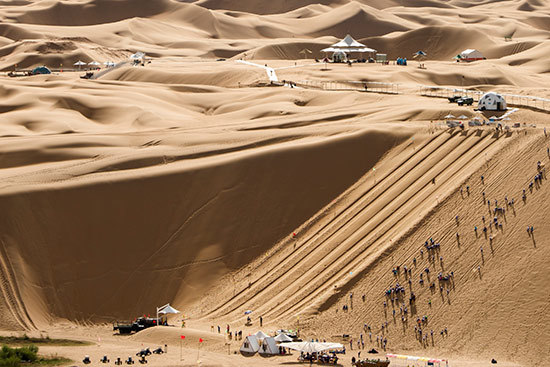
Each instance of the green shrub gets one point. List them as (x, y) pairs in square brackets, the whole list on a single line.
[(28, 353), (12, 357), (12, 361), (7, 352)]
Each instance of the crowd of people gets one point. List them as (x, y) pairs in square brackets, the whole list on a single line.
[(401, 299)]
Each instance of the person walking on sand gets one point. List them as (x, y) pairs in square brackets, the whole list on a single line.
[(261, 321)]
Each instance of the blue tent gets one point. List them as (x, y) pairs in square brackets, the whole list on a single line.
[(41, 70)]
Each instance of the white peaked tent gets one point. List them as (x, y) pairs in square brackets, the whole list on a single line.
[(491, 101), (250, 346), (471, 55), (348, 45), (261, 335), (283, 338), (269, 347), (166, 309)]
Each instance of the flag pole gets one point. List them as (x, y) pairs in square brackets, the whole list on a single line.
[(181, 346), (198, 354)]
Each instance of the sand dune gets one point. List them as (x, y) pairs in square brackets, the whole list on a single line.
[(185, 180)]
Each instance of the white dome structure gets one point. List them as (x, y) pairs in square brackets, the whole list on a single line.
[(491, 101)]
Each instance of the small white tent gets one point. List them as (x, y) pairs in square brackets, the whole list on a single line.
[(471, 55), (164, 310), (250, 346), (269, 347), (491, 101)]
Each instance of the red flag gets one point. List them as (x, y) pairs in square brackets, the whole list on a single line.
[(200, 340), (182, 336)]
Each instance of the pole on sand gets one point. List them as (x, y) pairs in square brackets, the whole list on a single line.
[(181, 346)]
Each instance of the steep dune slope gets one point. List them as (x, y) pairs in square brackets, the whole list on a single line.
[(345, 244)]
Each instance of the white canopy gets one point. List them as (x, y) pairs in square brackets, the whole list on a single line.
[(79, 63), (449, 116), (94, 63), (312, 347), (261, 335), (166, 309), (283, 338)]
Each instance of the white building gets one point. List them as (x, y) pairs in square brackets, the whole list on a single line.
[(471, 55), (491, 101)]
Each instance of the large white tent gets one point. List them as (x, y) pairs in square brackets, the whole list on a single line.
[(269, 347), (250, 346), (312, 347), (348, 45)]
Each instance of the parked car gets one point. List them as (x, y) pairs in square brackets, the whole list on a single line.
[(468, 101)]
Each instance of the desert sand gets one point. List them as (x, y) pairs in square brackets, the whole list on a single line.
[(192, 180)]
